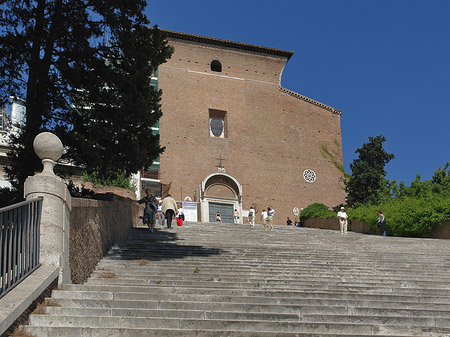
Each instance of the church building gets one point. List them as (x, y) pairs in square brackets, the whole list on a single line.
[(235, 138)]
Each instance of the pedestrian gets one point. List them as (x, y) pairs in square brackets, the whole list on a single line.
[(297, 223), (263, 216), (218, 218), (149, 210), (343, 220), (288, 222), (160, 214), (269, 218), (181, 213), (180, 216), (382, 223), (236, 216), (169, 209), (251, 217)]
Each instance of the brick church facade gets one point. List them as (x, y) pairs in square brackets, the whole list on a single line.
[(235, 138)]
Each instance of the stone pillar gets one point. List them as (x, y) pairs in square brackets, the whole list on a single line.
[(56, 206)]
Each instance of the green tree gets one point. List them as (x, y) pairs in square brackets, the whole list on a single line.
[(367, 181), (316, 210), (441, 180), (84, 68)]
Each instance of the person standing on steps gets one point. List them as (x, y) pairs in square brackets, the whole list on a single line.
[(160, 214), (150, 209), (218, 218), (382, 223), (236, 216), (264, 217), (343, 220), (180, 217), (270, 215), (169, 209), (288, 222), (251, 217)]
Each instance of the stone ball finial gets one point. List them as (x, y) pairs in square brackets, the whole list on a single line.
[(48, 146), (49, 149)]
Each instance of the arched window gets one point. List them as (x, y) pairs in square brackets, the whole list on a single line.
[(216, 66)]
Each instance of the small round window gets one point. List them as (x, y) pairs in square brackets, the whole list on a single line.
[(309, 175), (216, 66)]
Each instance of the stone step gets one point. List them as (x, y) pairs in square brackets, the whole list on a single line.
[(170, 313), (149, 332), (282, 264), (264, 285), (298, 272), (224, 325), (257, 288), (207, 280), (275, 280), (266, 298), (406, 321), (197, 310), (148, 269), (256, 252), (309, 305)]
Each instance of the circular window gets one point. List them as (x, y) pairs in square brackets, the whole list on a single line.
[(309, 175)]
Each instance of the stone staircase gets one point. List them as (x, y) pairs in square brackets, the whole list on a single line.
[(206, 279)]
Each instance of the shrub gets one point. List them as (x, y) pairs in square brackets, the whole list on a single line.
[(117, 179), (316, 210), (406, 216)]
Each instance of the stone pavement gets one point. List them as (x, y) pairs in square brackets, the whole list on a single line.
[(205, 279)]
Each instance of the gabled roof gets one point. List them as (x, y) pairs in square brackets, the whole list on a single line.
[(310, 100), (228, 43)]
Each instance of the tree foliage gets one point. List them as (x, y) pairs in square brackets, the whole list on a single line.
[(411, 210), (316, 210), (367, 179), (84, 68)]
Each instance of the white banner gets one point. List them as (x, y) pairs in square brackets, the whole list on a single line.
[(190, 211)]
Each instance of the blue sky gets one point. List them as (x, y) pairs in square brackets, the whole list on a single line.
[(384, 63)]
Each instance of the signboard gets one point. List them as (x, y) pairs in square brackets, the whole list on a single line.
[(295, 211), (190, 211)]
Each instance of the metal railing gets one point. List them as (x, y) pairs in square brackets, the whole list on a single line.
[(19, 238)]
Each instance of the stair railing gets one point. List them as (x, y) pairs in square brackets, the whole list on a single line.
[(19, 238)]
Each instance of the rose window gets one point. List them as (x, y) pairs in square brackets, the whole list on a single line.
[(309, 175)]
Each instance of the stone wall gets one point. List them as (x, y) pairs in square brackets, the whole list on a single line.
[(441, 231), (333, 223), (95, 225)]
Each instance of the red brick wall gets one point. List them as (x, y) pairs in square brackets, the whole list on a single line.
[(272, 137)]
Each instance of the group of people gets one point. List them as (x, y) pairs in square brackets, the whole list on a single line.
[(343, 221), (297, 222), (165, 209), (266, 217)]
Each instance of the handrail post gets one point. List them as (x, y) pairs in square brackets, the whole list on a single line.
[(56, 206)]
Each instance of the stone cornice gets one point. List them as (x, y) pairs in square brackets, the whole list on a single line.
[(309, 100), (228, 43)]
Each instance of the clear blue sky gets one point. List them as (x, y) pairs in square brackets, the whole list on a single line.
[(384, 63)]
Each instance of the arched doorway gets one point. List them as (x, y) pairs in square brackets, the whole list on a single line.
[(220, 192)]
